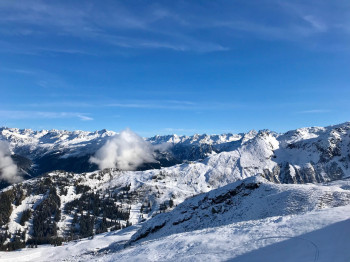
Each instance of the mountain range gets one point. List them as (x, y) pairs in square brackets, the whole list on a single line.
[(297, 156), (200, 183)]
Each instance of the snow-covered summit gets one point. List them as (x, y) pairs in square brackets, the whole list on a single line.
[(313, 154), (27, 141), (246, 174), (195, 139)]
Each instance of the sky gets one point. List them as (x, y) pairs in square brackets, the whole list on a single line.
[(184, 67)]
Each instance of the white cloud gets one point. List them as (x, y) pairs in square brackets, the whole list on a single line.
[(180, 27), (175, 105), (104, 24), (8, 169), (151, 105), (125, 151), (316, 23), (14, 114), (84, 118), (315, 111)]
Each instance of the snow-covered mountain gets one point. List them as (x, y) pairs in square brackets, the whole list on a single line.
[(251, 175), (252, 198), (37, 143), (50, 150), (32, 143), (304, 155), (236, 222), (197, 139), (315, 154)]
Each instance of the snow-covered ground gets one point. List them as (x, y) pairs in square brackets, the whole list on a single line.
[(250, 220), (253, 198), (224, 208), (321, 236), (316, 236), (69, 251)]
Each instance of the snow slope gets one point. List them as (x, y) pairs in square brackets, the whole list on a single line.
[(259, 222), (70, 250), (257, 155), (250, 199), (307, 155), (315, 236)]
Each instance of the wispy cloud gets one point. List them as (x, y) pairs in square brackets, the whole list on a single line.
[(165, 104), (38, 77), (16, 114), (316, 23), (175, 105), (115, 24), (84, 118), (61, 104), (64, 51), (315, 111), (19, 71), (176, 26), (153, 105)]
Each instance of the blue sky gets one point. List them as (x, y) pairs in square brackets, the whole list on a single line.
[(184, 67)]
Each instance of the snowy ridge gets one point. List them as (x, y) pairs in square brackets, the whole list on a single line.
[(50, 150), (304, 155), (196, 139), (320, 236), (52, 140), (26, 141), (158, 187), (227, 223), (263, 176), (250, 199)]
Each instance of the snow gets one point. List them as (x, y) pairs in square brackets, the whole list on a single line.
[(262, 222), (322, 234), (250, 199), (28, 203), (314, 154), (179, 182), (313, 246), (196, 139), (276, 222), (68, 251), (182, 181), (31, 143), (232, 242)]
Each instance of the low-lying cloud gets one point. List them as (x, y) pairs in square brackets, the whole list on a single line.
[(8, 169), (126, 151)]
